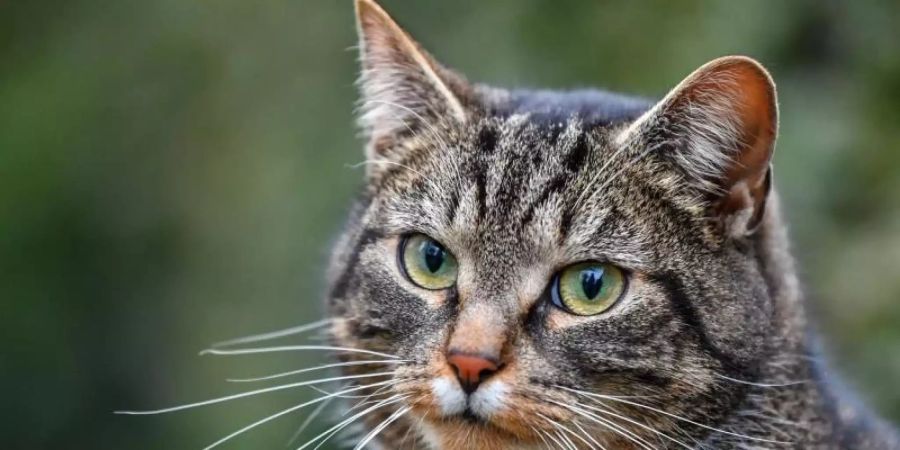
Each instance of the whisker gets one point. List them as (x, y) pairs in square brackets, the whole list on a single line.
[(311, 369), (763, 385), (555, 440), (384, 424), (282, 413), (342, 396), (274, 334), (540, 434), (588, 435), (580, 408), (608, 425), (293, 348), (566, 440), (560, 426), (251, 393), (310, 418), (338, 427), (636, 423), (683, 419), (386, 162), (409, 429), (365, 399)]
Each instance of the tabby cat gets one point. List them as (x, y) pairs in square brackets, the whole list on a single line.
[(536, 269), (576, 269)]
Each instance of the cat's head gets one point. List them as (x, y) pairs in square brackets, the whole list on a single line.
[(575, 267)]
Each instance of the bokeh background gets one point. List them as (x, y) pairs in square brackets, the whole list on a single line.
[(172, 173)]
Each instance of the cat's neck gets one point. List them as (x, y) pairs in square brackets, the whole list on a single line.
[(797, 404), (794, 399)]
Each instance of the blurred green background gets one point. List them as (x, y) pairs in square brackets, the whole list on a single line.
[(172, 172)]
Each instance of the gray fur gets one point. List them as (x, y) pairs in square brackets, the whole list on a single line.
[(712, 334)]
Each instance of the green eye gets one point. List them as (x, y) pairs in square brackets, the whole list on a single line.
[(427, 263), (588, 288)]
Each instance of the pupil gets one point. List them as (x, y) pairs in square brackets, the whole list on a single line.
[(434, 256), (591, 282)]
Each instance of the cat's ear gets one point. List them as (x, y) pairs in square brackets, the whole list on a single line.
[(718, 127), (403, 88)]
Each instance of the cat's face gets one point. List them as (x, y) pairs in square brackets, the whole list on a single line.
[(539, 273)]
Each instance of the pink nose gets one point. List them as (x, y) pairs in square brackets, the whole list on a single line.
[(471, 370)]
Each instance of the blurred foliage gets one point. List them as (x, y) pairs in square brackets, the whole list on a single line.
[(171, 173)]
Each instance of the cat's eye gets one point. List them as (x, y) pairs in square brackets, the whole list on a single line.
[(588, 288), (427, 263)]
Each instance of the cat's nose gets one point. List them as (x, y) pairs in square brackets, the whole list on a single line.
[(471, 370)]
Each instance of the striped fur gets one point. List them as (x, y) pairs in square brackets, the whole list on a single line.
[(709, 348)]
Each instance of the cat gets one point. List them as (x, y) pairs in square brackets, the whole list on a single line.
[(580, 269), (575, 270)]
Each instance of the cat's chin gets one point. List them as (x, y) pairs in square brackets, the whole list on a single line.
[(491, 417), (468, 431)]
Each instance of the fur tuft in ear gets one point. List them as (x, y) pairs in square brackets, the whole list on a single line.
[(402, 85), (718, 127)]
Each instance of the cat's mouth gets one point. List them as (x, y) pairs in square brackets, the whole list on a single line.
[(469, 416), (468, 428), (495, 411), (454, 419)]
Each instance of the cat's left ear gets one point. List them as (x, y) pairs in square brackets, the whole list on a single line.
[(403, 88), (718, 127)]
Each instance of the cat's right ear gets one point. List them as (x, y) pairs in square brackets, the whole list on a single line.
[(404, 90)]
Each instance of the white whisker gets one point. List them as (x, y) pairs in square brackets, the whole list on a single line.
[(555, 440), (384, 424), (366, 399), (569, 444), (342, 396), (274, 334), (540, 434), (763, 385), (310, 418), (338, 427), (677, 417), (609, 425), (410, 428), (311, 369), (385, 162), (562, 427), (284, 412), (588, 435), (252, 393), (634, 422), (293, 348)]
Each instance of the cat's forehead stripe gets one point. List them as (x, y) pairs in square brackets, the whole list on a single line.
[(515, 180)]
